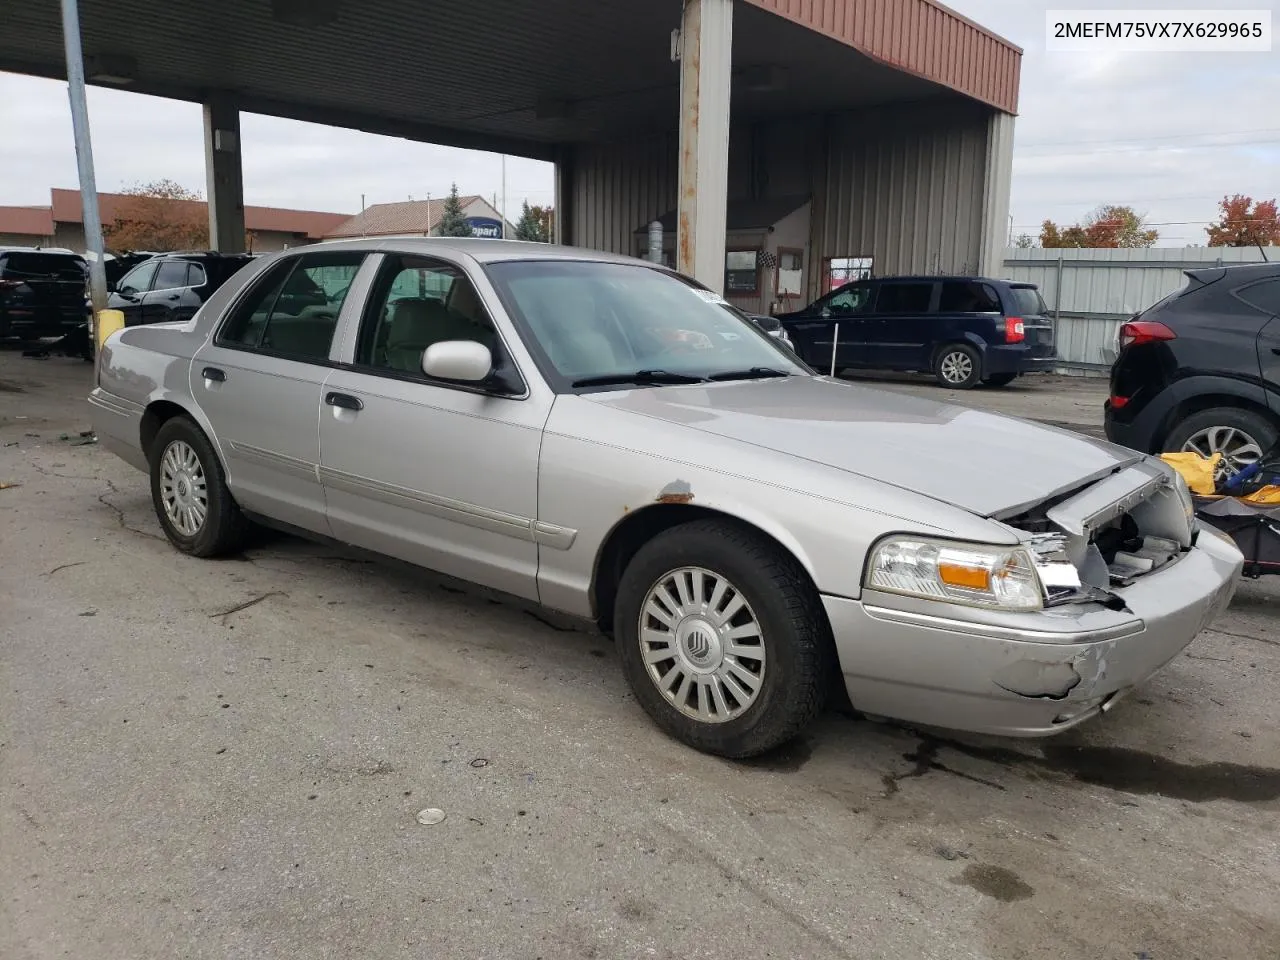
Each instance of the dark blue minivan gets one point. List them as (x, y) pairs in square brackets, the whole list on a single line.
[(963, 330)]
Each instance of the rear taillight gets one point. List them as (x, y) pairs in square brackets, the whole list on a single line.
[(1015, 331), (1118, 402), (1144, 331)]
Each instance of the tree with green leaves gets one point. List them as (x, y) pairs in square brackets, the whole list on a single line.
[(529, 227), (453, 223)]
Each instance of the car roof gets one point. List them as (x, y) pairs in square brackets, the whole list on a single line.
[(931, 278), (480, 249)]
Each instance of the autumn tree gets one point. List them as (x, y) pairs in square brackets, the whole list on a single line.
[(1245, 223), (536, 223), (161, 215), (1108, 226), (453, 222)]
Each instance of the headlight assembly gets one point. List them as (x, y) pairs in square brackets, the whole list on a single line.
[(1000, 578)]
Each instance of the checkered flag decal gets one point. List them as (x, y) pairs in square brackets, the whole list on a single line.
[(767, 260)]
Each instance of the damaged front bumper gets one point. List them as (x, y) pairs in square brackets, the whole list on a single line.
[(1025, 674)]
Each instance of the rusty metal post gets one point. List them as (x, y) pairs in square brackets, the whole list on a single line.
[(706, 56)]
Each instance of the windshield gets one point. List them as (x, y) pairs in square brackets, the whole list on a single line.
[(594, 320)]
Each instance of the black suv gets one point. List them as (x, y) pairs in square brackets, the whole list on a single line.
[(43, 293), (172, 286), (1200, 370), (963, 330)]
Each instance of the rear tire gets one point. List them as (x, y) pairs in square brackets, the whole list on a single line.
[(999, 379), (958, 366), (1242, 436), (190, 495), (737, 683)]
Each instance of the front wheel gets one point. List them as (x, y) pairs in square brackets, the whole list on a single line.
[(190, 495), (958, 366), (723, 639)]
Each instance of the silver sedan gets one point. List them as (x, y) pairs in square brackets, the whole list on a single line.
[(601, 436)]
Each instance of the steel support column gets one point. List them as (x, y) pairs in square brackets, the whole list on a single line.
[(996, 188), (84, 155), (706, 56), (224, 175), (565, 176)]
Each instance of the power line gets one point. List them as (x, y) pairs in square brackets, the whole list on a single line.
[(1172, 148)]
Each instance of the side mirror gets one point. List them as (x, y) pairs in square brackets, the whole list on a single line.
[(463, 360), (826, 313)]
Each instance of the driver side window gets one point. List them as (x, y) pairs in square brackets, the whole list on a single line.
[(138, 280), (417, 302), (852, 299)]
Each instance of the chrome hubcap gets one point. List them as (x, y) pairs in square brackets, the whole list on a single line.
[(183, 490), (702, 644), (1238, 449), (957, 367)]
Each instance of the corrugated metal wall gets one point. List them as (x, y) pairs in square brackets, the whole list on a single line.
[(1102, 288), (920, 37), (905, 185), (619, 186)]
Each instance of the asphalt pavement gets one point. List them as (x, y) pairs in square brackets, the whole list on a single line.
[(229, 759)]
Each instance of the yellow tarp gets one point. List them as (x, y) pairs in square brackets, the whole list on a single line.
[(1267, 495), (1196, 470)]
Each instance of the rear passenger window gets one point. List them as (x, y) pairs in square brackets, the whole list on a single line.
[(293, 309), (1265, 296), (195, 275), (904, 298), (967, 296)]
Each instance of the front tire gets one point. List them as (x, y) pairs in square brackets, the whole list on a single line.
[(958, 366), (190, 495), (723, 639)]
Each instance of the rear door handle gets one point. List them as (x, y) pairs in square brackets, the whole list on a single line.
[(214, 374), (174, 296), (344, 400)]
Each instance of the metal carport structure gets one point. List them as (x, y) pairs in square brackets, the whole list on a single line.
[(894, 116)]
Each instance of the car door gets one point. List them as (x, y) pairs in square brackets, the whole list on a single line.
[(901, 331), (841, 314), (1265, 297), (440, 474), (133, 286), (260, 381), (161, 302)]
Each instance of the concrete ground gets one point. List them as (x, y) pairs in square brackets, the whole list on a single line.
[(227, 759)]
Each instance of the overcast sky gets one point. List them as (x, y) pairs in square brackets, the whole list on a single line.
[(1168, 133)]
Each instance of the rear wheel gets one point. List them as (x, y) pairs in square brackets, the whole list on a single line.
[(723, 639), (1241, 436), (958, 366), (190, 495), (1000, 379)]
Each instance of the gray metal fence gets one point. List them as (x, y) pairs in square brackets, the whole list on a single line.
[(1091, 292)]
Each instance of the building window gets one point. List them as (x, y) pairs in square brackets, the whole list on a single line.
[(837, 271), (790, 279), (742, 273)]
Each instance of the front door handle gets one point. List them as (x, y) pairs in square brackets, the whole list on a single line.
[(344, 401), (174, 296), (214, 374)]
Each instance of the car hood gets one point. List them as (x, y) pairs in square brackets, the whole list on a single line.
[(986, 463)]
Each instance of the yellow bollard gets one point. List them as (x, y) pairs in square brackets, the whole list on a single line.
[(105, 323)]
